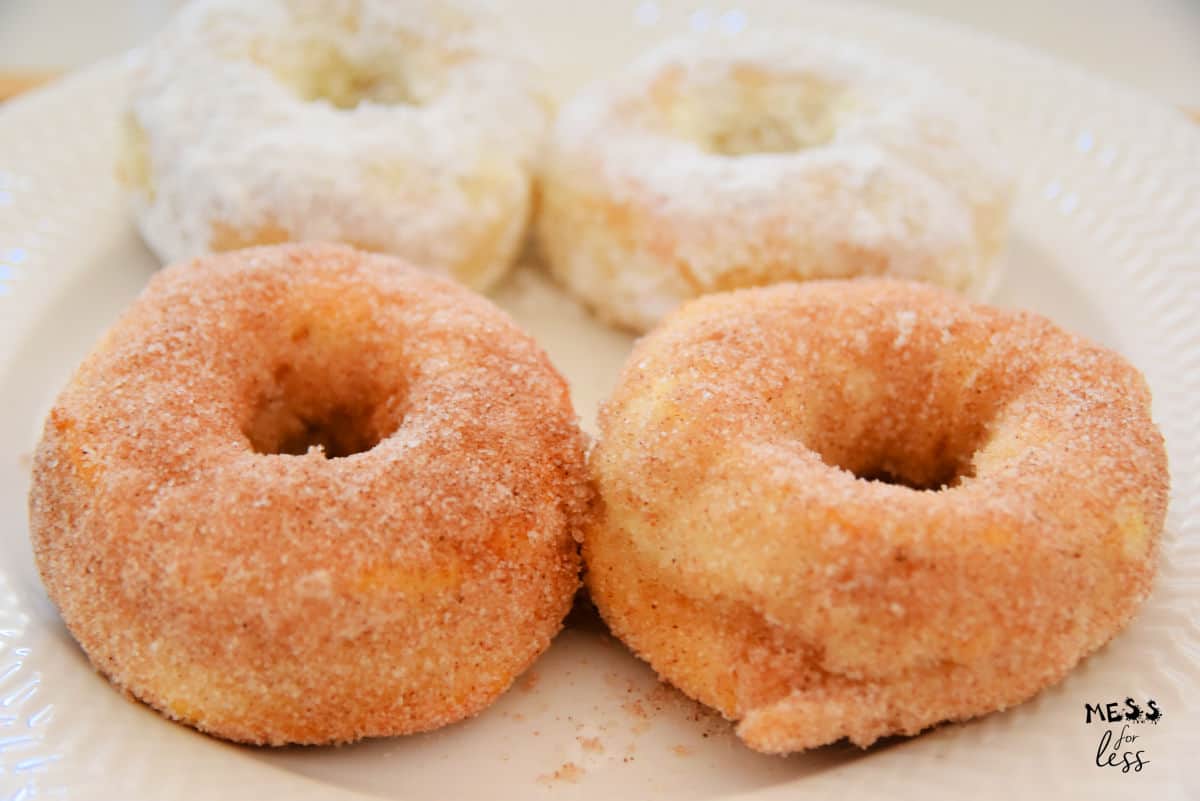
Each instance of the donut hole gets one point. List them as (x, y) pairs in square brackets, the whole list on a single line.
[(770, 131), (923, 471), (886, 429), (926, 461), (294, 415), (338, 432), (322, 72), (938, 477), (752, 112)]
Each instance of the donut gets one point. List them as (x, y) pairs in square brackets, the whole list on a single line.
[(400, 126), (303, 494), (715, 165), (851, 509)]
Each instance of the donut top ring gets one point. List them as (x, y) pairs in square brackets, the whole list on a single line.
[(714, 165), (790, 381), (404, 127)]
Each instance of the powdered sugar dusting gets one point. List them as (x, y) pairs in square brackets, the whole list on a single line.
[(709, 165), (236, 125)]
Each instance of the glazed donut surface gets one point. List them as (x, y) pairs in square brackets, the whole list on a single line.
[(854, 509), (303, 494), (407, 126), (710, 165)]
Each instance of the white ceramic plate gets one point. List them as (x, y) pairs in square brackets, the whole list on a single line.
[(1106, 241)]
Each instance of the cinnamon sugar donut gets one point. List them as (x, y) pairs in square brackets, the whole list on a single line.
[(854, 509), (710, 165), (400, 126), (303, 494)]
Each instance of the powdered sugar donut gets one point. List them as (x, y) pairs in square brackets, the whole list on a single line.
[(406, 127), (712, 165)]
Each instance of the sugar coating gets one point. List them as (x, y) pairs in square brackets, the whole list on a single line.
[(272, 598), (710, 165), (740, 554), (406, 127)]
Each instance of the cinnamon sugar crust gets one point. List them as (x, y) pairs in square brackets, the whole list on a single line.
[(303, 494), (860, 508)]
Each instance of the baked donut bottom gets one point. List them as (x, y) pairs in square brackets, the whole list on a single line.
[(852, 509)]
